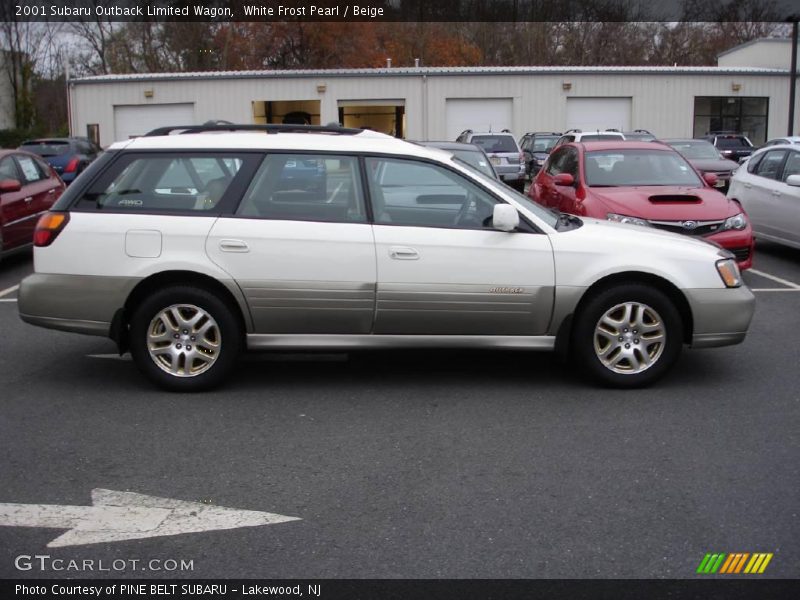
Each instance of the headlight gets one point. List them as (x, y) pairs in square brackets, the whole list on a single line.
[(627, 219), (729, 271), (738, 222)]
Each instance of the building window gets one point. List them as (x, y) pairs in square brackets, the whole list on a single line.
[(741, 115)]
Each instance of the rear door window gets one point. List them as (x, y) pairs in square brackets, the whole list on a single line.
[(770, 164), (306, 187), (167, 182)]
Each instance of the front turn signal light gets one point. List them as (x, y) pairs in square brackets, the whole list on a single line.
[(729, 271)]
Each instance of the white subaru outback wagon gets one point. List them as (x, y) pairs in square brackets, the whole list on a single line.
[(190, 245)]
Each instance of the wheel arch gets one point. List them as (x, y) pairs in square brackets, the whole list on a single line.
[(232, 297), (564, 332)]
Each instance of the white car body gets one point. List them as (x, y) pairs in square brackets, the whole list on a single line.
[(768, 187), (378, 282)]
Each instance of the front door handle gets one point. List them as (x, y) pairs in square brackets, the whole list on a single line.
[(233, 246), (776, 193), (748, 186), (29, 199), (403, 253)]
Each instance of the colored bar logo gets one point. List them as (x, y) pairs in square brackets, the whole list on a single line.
[(735, 563)]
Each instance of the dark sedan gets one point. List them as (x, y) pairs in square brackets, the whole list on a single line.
[(707, 159), (68, 156)]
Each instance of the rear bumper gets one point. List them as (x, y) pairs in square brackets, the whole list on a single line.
[(721, 316), (78, 303)]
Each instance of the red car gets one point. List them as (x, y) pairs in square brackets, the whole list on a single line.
[(28, 188), (643, 183)]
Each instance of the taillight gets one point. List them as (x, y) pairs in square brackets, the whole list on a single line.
[(71, 166), (49, 226)]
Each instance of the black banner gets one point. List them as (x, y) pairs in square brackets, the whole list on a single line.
[(399, 10), (394, 589)]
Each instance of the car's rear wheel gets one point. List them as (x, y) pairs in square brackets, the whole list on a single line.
[(628, 335), (185, 339)]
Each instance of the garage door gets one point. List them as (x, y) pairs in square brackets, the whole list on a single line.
[(132, 121), (478, 114), (591, 114)]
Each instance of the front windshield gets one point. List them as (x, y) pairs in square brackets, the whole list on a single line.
[(543, 213), (476, 160), (696, 150), (635, 167)]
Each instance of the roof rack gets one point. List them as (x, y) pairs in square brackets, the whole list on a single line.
[(285, 128), (573, 131)]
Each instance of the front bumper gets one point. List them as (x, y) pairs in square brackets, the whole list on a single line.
[(721, 316), (741, 243)]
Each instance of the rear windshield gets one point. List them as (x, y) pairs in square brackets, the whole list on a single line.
[(46, 147), (600, 138), (696, 150), (476, 160), (495, 143), (733, 142), (543, 144)]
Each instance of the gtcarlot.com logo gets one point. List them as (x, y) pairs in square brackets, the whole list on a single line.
[(736, 563)]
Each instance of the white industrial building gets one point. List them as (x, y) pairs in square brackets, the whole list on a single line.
[(747, 92)]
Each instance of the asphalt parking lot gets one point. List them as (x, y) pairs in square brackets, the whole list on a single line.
[(415, 465)]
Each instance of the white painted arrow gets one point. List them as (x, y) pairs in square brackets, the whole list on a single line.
[(117, 516)]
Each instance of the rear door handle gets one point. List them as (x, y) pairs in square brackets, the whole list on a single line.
[(53, 191), (747, 185), (233, 246), (403, 253), (776, 192), (29, 199)]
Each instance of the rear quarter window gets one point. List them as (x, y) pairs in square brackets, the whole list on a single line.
[(160, 182)]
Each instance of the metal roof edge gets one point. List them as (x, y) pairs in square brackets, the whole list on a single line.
[(423, 71)]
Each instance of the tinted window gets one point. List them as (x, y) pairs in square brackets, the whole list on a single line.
[(142, 183), (732, 143), (406, 192), (621, 168), (770, 164), (495, 143), (303, 187)]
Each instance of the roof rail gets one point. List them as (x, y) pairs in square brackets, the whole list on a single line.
[(641, 131), (573, 131), (612, 129), (285, 128)]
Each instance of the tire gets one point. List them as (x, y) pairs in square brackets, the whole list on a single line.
[(209, 339), (628, 336)]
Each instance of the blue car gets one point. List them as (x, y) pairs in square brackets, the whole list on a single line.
[(68, 156)]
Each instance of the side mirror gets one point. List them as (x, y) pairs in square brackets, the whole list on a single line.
[(505, 217), (564, 179), (9, 185), (793, 180), (710, 178)]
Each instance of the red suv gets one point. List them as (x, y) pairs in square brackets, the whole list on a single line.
[(643, 183)]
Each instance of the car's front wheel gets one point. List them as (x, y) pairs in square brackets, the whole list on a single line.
[(185, 339), (628, 335)]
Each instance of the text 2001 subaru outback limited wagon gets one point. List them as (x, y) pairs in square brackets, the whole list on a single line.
[(190, 245)]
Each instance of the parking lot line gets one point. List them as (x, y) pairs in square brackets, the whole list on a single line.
[(8, 299), (776, 279), (8, 291), (775, 289)]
